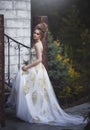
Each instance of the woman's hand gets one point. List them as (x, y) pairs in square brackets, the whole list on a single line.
[(24, 68)]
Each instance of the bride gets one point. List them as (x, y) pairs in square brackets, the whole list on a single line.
[(33, 94)]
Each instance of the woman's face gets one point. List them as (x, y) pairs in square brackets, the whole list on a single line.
[(36, 35)]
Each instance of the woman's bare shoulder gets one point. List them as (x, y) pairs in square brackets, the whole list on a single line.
[(39, 46)]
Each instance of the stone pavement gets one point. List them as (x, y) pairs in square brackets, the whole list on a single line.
[(13, 123)]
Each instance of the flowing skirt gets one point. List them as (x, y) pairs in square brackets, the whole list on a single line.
[(35, 100)]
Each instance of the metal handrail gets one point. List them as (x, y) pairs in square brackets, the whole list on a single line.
[(15, 41), (9, 41)]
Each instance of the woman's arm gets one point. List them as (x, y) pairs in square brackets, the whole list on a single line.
[(37, 61)]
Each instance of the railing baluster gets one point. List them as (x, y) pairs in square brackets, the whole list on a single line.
[(19, 56), (8, 62)]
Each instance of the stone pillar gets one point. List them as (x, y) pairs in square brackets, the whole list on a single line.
[(35, 21), (2, 114)]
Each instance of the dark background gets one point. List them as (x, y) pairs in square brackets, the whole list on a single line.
[(69, 23), (50, 7)]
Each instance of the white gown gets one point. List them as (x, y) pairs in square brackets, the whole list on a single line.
[(35, 100)]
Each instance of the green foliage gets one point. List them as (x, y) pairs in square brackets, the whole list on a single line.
[(64, 77), (76, 39), (70, 31), (57, 70)]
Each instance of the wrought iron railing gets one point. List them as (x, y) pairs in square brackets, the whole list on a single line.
[(20, 50)]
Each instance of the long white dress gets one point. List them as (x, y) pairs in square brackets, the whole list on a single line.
[(35, 100)]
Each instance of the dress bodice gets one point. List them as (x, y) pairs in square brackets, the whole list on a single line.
[(33, 55)]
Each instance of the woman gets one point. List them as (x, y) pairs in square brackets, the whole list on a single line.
[(33, 93)]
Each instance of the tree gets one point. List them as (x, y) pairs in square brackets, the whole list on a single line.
[(76, 39)]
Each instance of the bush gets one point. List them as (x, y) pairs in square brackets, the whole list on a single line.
[(57, 70), (65, 79)]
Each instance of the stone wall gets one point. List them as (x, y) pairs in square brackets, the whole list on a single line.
[(17, 24), (17, 19)]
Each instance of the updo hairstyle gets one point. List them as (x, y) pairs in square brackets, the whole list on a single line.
[(42, 27)]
